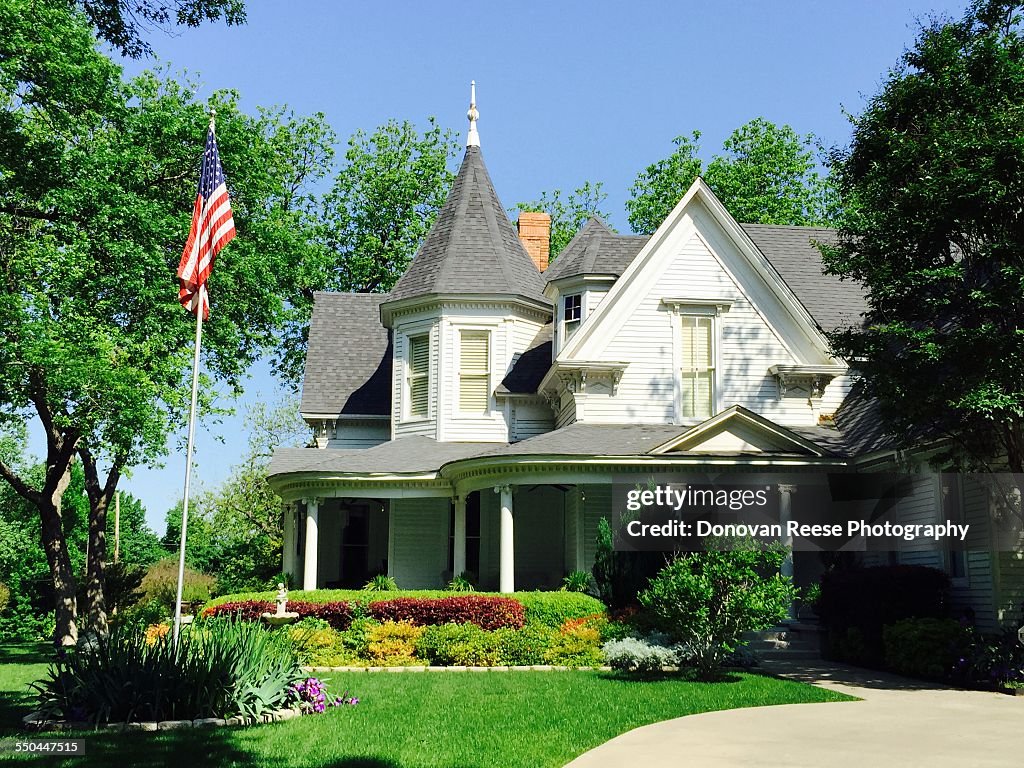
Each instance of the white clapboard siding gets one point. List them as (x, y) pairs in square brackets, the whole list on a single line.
[(573, 531), (360, 434), (747, 348), (530, 419), (538, 515), (976, 591), (597, 503), (402, 426), (418, 554), (920, 507)]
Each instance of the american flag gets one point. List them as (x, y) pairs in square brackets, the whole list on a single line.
[(212, 228)]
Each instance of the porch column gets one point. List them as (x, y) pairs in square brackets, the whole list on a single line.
[(507, 578), (288, 540), (312, 544), (785, 514), (459, 550)]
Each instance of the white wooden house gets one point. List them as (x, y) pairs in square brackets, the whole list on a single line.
[(473, 418)]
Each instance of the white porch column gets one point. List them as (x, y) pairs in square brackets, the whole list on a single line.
[(785, 515), (459, 551), (288, 540), (312, 544), (507, 561)]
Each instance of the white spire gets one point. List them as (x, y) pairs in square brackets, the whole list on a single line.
[(473, 139)]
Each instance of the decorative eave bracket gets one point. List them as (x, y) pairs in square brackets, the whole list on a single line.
[(813, 378)]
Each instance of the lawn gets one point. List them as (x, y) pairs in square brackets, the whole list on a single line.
[(423, 720)]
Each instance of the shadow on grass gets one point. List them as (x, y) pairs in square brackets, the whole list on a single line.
[(26, 653), (213, 746), (13, 707), (685, 676), (363, 762)]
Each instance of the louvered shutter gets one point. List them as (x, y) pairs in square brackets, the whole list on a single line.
[(474, 371), (419, 380)]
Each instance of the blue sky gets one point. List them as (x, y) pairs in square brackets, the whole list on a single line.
[(567, 92)]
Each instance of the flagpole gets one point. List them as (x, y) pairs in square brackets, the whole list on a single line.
[(199, 304), (188, 464)]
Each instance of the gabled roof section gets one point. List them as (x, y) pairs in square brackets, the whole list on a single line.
[(833, 303), (472, 247), (529, 369), (348, 362), (740, 430), (596, 250)]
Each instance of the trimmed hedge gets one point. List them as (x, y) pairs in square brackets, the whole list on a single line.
[(551, 609), (338, 614), (486, 612)]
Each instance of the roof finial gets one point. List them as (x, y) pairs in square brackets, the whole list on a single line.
[(473, 139)]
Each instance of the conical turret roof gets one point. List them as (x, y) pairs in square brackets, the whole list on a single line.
[(472, 248)]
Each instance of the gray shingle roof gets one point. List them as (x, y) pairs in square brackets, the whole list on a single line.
[(472, 247), (860, 420), (526, 374), (406, 455), (833, 303), (596, 250), (348, 363)]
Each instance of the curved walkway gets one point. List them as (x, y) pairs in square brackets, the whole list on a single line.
[(900, 722)]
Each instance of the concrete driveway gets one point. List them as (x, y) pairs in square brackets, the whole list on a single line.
[(900, 722)]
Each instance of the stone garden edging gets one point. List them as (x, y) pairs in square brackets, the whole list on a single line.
[(35, 721), (424, 668)]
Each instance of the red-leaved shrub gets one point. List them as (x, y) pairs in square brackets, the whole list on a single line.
[(338, 614), (485, 612)]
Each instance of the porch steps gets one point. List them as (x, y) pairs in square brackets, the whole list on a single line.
[(797, 640)]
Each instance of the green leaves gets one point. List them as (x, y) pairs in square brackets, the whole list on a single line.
[(766, 174), (932, 184), (570, 213)]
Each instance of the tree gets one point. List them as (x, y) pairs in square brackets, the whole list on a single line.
[(708, 600), (568, 214), (766, 174), (385, 197), (97, 179), (932, 185), (120, 22)]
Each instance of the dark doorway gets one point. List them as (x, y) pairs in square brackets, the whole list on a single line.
[(355, 546)]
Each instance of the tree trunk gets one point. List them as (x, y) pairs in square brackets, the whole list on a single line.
[(61, 573), (96, 604)]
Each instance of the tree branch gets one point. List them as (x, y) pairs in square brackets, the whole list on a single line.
[(19, 485)]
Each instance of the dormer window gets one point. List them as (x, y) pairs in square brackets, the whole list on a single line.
[(474, 371), (572, 314), (418, 382)]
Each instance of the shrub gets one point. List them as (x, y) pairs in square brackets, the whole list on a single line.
[(393, 643), (381, 583), (577, 581), (856, 603), (462, 583), (577, 645), (337, 614), (5, 596), (219, 669), (459, 645), (708, 600), (992, 660), (633, 654), (161, 584), (313, 640), (485, 612), (356, 639), (553, 609), (928, 648), (524, 647)]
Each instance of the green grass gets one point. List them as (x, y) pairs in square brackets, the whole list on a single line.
[(427, 720)]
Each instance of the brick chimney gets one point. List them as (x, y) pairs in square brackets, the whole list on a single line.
[(535, 235)]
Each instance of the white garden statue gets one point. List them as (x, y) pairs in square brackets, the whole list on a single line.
[(281, 616)]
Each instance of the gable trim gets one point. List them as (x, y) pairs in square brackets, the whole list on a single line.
[(737, 413)]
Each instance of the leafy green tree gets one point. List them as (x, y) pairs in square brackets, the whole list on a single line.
[(932, 184), (708, 600), (570, 213), (121, 22), (139, 544), (97, 180), (766, 174), (385, 197)]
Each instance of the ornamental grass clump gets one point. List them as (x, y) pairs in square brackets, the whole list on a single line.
[(219, 669)]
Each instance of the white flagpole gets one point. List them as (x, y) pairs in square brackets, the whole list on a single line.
[(200, 296)]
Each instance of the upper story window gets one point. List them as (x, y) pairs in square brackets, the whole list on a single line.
[(572, 314), (418, 381), (697, 366), (474, 371)]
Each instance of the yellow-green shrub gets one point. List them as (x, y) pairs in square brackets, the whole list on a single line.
[(577, 645), (393, 643)]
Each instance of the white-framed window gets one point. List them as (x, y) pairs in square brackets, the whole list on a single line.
[(697, 366), (952, 505), (418, 377), (572, 314), (474, 371)]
